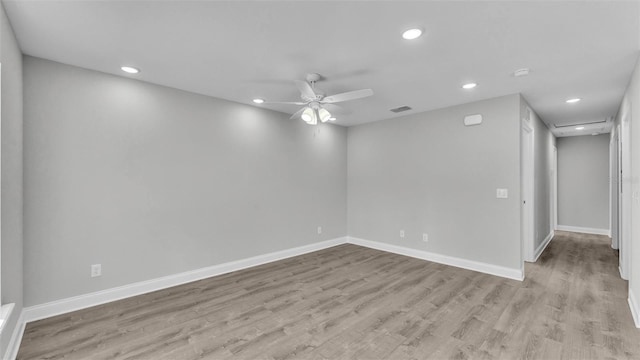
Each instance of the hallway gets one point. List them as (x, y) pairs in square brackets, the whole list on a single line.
[(580, 308)]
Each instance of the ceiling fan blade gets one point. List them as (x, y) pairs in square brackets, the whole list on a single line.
[(305, 89), (335, 109), (346, 96), (297, 114), (285, 102)]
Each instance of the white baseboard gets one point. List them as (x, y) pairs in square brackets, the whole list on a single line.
[(635, 308), (509, 273), (42, 311), (16, 338), (62, 306), (584, 230), (5, 314), (543, 246), (622, 274)]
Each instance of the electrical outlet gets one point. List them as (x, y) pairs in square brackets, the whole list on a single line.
[(319, 230), (502, 193), (96, 270), (401, 233), (425, 237)]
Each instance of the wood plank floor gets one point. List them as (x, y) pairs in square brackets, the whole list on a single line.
[(350, 302)]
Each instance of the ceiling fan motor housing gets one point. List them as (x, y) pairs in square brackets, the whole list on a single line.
[(313, 77)]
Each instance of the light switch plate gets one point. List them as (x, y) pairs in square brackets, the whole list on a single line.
[(502, 193)]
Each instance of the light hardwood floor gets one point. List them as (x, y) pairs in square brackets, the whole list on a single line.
[(350, 302)]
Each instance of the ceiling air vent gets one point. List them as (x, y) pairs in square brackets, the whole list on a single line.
[(580, 124), (400, 109)]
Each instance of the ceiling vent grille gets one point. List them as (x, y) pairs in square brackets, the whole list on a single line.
[(580, 124), (400, 109)]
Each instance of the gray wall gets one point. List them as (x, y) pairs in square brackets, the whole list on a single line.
[(543, 144), (11, 59), (151, 181), (583, 181), (428, 173)]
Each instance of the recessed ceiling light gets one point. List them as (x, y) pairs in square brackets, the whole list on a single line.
[(258, 101), (333, 118), (130, 70), (412, 34), (572, 101), (521, 72), (469, 86), (580, 128)]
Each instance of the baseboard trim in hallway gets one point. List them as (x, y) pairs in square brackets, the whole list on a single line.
[(543, 246), (635, 309), (584, 230), (37, 312), (509, 273)]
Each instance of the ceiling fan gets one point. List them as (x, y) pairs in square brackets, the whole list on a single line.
[(317, 105)]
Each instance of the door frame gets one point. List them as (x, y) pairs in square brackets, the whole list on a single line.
[(624, 193), (527, 193), (614, 203), (554, 190)]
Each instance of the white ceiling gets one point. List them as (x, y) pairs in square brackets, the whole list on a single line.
[(243, 50)]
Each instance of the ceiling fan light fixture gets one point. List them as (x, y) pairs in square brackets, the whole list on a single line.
[(324, 115), (309, 116), (315, 100)]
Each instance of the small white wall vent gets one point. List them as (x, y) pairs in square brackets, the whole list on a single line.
[(470, 120)]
